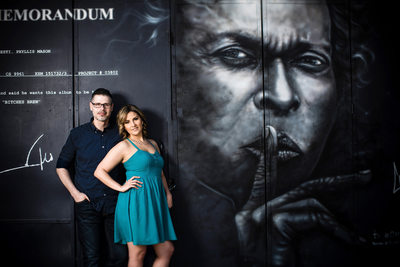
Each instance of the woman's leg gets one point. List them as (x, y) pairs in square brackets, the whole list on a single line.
[(136, 255), (164, 253)]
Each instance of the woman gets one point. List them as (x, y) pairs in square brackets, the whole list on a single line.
[(141, 216)]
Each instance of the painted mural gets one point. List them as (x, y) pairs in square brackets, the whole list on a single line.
[(276, 168), (277, 118)]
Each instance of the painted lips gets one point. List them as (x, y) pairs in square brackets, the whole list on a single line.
[(287, 149)]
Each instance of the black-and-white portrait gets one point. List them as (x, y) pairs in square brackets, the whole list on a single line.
[(269, 146)]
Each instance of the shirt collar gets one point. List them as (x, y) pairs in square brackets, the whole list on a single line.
[(109, 126)]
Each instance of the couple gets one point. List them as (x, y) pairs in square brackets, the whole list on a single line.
[(142, 218)]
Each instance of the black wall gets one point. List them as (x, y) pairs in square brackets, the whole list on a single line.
[(49, 68)]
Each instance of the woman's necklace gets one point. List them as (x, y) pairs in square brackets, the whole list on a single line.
[(142, 143)]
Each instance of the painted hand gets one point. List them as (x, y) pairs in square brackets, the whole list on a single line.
[(287, 216)]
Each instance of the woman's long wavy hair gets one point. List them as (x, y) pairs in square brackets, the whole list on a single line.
[(121, 118)]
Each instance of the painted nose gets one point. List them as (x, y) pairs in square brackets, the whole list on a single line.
[(279, 96)]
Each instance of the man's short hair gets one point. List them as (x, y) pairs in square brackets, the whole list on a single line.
[(101, 91)]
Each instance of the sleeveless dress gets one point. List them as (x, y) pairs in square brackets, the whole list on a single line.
[(142, 215)]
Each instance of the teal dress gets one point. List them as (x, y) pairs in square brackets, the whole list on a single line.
[(142, 215)]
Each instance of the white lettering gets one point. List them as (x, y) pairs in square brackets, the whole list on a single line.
[(46, 14), (107, 15), (80, 14), (18, 15), (51, 15), (58, 15), (68, 14), (91, 17), (31, 15), (8, 15)]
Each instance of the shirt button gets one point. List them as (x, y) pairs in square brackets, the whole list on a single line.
[(105, 195), (102, 146)]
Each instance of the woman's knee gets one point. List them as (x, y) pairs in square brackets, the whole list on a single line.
[(167, 249), (137, 252), (171, 248)]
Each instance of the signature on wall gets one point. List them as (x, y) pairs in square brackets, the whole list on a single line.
[(28, 164), (396, 186)]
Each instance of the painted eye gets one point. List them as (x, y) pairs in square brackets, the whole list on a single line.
[(235, 57), (311, 62)]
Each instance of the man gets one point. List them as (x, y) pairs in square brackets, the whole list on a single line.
[(258, 89), (94, 202)]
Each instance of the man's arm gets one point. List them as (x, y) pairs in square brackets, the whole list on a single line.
[(65, 178), (65, 160)]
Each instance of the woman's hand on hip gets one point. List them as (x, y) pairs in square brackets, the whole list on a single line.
[(133, 182)]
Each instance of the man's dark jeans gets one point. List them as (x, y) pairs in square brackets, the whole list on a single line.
[(96, 234)]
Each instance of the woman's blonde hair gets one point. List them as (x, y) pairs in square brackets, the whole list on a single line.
[(121, 118)]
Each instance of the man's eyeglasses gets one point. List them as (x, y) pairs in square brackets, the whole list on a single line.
[(99, 105)]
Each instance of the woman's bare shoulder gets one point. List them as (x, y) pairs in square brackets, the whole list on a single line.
[(152, 141), (154, 144), (122, 145)]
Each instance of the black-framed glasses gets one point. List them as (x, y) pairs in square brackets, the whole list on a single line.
[(99, 105)]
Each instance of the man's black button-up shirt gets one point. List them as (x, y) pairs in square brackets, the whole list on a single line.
[(85, 147)]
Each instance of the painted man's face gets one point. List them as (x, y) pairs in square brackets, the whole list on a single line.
[(238, 75)]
